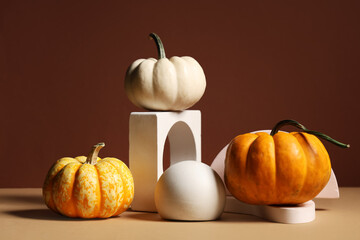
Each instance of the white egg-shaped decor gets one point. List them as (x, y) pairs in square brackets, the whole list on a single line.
[(190, 191)]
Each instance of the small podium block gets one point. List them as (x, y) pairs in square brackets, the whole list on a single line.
[(147, 135)]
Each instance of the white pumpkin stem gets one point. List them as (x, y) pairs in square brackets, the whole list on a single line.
[(159, 45), (93, 155)]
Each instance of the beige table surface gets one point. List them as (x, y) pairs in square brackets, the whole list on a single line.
[(23, 215)]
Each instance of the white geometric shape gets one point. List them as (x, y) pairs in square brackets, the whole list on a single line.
[(300, 213), (147, 135), (190, 191), (219, 166), (331, 190)]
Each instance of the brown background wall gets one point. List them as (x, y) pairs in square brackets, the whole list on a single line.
[(63, 65)]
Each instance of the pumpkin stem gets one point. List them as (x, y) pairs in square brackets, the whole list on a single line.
[(159, 45), (302, 127), (93, 155)]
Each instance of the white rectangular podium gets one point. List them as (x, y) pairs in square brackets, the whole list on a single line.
[(147, 135)]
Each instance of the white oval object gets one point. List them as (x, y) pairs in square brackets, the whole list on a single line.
[(190, 191)]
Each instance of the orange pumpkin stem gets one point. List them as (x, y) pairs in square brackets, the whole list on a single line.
[(93, 155), (302, 127)]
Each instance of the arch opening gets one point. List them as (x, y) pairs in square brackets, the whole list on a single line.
[(179, 145)]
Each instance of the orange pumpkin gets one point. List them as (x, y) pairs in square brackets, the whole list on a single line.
[(89, 187), (280, 168)]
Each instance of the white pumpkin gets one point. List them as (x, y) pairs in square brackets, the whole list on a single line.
[(172, 84)]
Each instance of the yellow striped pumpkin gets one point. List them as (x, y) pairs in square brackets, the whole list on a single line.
[(89, 187)]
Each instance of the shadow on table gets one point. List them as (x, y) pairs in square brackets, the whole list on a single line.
[(321, 209), (45, 214), (226, 217), (144, 216), (236, 217), (33, 199)]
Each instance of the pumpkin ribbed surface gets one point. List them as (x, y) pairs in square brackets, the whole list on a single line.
[(165, 84), (77, 189), (287, 168)]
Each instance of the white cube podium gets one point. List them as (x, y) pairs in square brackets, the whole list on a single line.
[(147, 135)]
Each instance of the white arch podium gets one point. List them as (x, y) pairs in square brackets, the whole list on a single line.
[(147, 135)]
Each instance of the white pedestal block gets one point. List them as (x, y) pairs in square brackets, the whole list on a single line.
[(147, 135), (301, 213)]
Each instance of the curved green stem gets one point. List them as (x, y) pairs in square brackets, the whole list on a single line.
[(93, 155), (302, 127), (159, 45)]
